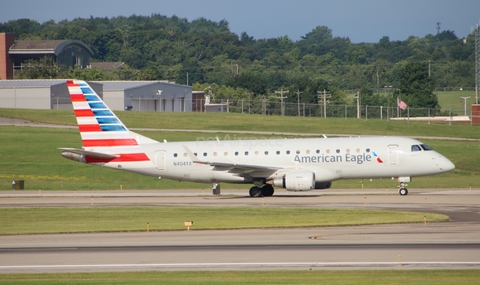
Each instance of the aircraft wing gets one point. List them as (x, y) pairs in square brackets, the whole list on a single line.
[(245, 168)]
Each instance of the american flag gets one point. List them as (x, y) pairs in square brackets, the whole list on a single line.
[(402, 105)]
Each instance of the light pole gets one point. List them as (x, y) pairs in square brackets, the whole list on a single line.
[(389, 88), (281, 97), (358, 104), (464, 105), (298, 102)]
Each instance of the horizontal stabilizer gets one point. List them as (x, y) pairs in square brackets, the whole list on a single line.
[(90, 153)]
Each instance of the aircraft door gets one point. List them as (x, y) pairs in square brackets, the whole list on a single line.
[(160, 163), (393, 155)]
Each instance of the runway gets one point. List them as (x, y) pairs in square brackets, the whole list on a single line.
[(454, 244)]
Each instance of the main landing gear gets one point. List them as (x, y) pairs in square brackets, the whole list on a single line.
[(259, 191), (403, 190)]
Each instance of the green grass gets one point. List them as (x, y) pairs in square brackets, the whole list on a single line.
[(269, 124), (450, 100), (32, 154), (330, 277), (125, 219)]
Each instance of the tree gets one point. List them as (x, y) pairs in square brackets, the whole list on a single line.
[(87, 74), (252, 83), (43, 68), (318, 35), (367, 97), (417, 87)]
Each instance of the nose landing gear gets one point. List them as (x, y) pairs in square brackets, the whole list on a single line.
[(403, 190)]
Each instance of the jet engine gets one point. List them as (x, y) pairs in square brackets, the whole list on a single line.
[(296, 181)]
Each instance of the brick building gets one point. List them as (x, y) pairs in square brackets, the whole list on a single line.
[(66, 53)]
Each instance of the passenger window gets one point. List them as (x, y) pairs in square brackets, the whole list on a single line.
[(256, 152), (236, 153), (416, 148), (174, 155), (204, 154), (348, 150), (308, 151), (246, 153), (317, 151), (278, 152), (266, 152), (298, 152), (195, 153), (327, 151), (288, 152), (358, 150), (185, 154), (338, 151), (225, 154), (367, 150), (215, 154)]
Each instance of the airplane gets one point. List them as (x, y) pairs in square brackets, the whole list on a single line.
[(293, 164)]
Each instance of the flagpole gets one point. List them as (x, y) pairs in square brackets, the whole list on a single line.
[(398, 108)]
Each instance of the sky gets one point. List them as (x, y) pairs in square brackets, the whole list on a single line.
[(358, 20)]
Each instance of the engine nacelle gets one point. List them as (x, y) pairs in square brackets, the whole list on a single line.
[(296, 181), (323, 185)]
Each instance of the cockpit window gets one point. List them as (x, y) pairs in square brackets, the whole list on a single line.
[(425, 147), (416, 148)]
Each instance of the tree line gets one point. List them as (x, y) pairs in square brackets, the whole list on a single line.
[(206, 54)]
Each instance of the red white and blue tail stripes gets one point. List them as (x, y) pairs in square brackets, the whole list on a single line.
[(98, 125), (100, 128)]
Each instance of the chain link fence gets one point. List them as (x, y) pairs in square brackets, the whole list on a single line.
[(264, 107)]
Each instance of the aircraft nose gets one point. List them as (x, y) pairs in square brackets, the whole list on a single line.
[(446, 165)]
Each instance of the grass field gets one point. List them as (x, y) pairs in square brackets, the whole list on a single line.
[(451, 100), (126, 219), (330, 277), (32, 154)]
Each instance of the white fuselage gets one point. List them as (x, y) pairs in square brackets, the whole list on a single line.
[(329, 158)]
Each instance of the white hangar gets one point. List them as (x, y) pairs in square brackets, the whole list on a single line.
[(158, 96)]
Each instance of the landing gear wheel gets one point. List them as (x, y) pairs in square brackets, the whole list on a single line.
[(403, 191), (267, 190), (216, 189), (255, 191)]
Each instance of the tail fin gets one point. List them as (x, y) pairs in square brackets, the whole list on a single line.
[(105, 139), (99, 127)]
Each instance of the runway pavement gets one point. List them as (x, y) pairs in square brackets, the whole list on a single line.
[(454, 244)]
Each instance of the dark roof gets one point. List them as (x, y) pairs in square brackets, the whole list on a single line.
[(45, 46), (30, 83), (107, 66)]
